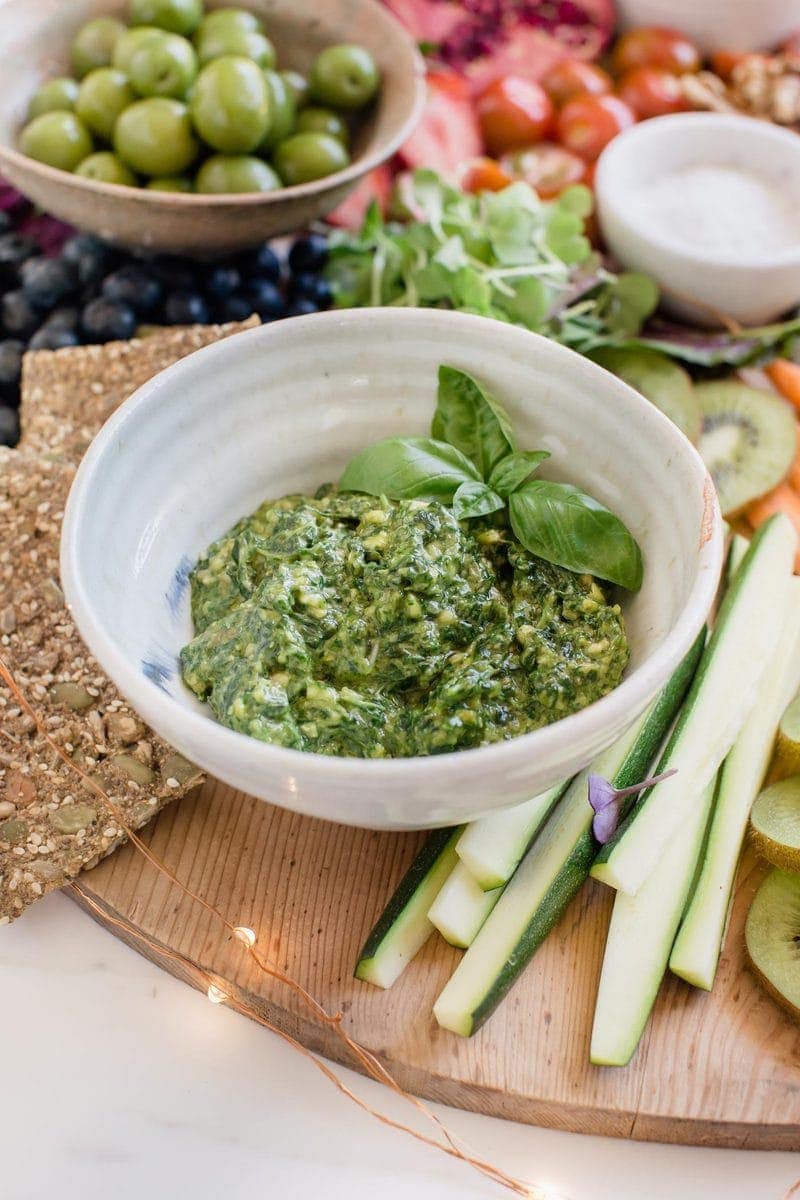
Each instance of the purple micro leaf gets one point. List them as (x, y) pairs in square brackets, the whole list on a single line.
[(606, 800)]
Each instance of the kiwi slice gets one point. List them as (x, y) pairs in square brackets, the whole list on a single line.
[(775, 824), (657, 377), (786, 759), (748, 440), (772, 938)]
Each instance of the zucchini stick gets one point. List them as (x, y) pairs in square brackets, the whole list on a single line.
[(492, 846)]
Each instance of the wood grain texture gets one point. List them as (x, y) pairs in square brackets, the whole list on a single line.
[(717, 1069)]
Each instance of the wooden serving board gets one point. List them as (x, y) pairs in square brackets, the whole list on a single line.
[(720, 1069)]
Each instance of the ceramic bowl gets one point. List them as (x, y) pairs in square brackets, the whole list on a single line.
[(282, 409), (744, 284), (34, 41), (717, 24)]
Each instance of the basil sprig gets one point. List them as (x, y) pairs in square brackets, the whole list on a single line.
[(472, 463)]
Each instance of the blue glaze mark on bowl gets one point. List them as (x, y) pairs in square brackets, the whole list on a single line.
[(177, 588), (158, 673)]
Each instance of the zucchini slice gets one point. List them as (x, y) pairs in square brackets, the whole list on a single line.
[(461, 907), (722, 695), (492, 846), (403, 927), (696, 951), (551, 872), (640, 936)]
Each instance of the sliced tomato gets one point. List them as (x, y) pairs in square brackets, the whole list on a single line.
[(448, 133), (654, 46), (547, 167), (513, 112), (376, 185), (588, 123), (572, 77), (651, 92)]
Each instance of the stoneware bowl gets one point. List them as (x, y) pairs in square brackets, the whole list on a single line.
[(717, 24), (748, 285), (281, 409), (34, 41)]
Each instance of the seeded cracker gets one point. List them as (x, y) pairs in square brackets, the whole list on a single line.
[(51, 825), (68, 394)]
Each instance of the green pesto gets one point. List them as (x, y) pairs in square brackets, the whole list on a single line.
[(352, 625)]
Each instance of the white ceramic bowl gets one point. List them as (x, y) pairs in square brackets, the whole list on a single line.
[(281, 409), (717, 24), (749, 286)]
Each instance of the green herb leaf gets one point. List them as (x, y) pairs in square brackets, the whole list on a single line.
[(515, 469), (563, 525), (529, 303), (630, 300), (469, 418), (475, 500), (409, 468)]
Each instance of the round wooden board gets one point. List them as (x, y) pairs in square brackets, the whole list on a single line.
[(720, 1069)]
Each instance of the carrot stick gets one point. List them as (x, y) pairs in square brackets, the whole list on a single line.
[(782, 499), (785, 375)]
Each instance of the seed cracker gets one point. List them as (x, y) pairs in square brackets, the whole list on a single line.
[(68, 394), (51, 824)]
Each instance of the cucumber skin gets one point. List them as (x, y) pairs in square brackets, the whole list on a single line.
[(732, 591), (575, 869), (424, 860)]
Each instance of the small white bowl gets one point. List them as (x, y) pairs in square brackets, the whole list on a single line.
[(282, 409), (717, 24), (741, 283)]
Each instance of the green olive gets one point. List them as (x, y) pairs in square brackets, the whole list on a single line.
[(93, 44), (297, 85), (170, 183), (59, 139), (104, 94), (245, 43), (344, 76), (307, 156), (155, 137), (105, 167), (176, 16), (323, 120), (231, 173), (131, 41), (57, 95), (230, 18), (282, 111), (231, 105), (165, 66)]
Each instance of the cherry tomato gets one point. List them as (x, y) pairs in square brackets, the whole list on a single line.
[(572, 77), (655, 47), (725, 62), (484, 175), (651, 93), (547, 167), (588, 123), (513, 112)]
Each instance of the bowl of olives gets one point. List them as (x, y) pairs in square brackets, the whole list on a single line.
[(195, 127)]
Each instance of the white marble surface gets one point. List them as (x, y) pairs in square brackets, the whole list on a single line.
[(117, 1081)]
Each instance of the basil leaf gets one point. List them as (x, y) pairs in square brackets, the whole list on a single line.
[(563, 525), (475, 500), (515, 469), (409, 469), (472, 420)]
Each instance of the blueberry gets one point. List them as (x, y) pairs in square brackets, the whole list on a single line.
[(262, 263), (103, 321), (48, 338), (222, 282), (177, 274), (308, 253), (47, 281), (90, 256), (9, 426), (301, 307), (186, 308), (311, 287), (133, 285), (65, 317), (11, 351), (234, 308), (265, 299), (19, 317), (14, 249)]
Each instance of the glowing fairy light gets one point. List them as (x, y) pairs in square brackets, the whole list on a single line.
[(216, 994), (245, 935)]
